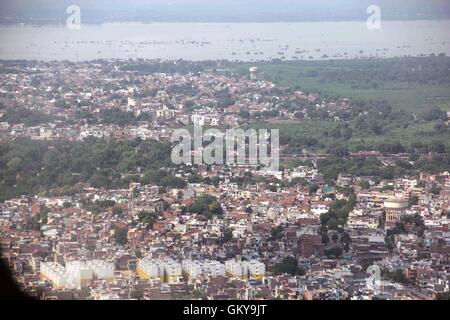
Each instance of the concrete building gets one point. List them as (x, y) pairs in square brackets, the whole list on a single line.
[(395, 208), (194, 268), (53, 272), (252, 269), (166, 270), (76, 274)]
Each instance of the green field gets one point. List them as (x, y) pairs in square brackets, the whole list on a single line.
[(317, 135), (412, 84)]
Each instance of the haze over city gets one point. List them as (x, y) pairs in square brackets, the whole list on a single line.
[(224, 150)]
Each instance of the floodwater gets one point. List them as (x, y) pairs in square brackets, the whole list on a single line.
[(231, 41)]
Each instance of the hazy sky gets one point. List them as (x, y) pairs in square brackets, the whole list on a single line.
[(223, 10)]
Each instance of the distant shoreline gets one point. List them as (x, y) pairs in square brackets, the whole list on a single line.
[(51, 22), (227, 61)]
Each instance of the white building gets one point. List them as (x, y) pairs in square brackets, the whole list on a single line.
[(209, 268), (252, 269), (102, 270), (148, 269), (76, 274), (53, 272), (166, 270)]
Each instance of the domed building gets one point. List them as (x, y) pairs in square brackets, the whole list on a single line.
[(395, 208)]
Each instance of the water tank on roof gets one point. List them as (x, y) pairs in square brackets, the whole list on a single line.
[(396, 204)]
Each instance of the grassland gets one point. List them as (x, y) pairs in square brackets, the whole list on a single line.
[(318, 135), (412, 84)]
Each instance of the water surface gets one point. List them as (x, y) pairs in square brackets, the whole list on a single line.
[(232, 41)]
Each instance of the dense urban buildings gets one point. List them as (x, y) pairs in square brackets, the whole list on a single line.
[(93, 208)]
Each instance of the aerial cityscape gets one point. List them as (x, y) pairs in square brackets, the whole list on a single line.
[(334, 183)]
